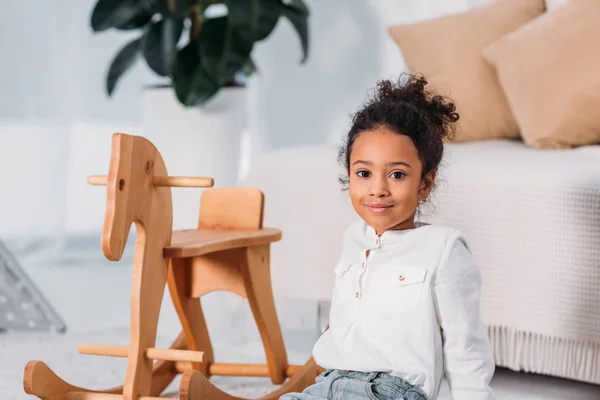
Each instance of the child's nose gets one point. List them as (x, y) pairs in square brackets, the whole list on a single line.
[(379, 187)]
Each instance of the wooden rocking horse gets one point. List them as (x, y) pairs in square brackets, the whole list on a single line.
[(228, 251)]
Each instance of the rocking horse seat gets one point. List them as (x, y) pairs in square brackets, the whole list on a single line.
[(196, 242)]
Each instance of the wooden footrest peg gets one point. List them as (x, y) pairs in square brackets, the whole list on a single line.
[(151, 353), (228, 369)]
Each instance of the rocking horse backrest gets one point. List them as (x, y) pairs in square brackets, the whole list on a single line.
[(131, 196), (231, 208)]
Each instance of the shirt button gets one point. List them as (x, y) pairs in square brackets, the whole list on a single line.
[(357, 295), (363, 264), (377, 241)]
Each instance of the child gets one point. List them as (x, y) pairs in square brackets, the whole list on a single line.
[(405, 306)]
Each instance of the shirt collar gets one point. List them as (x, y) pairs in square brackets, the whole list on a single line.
[(376, 240)]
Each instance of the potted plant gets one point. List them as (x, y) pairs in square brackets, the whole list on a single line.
[(203, 49), (217, 50)]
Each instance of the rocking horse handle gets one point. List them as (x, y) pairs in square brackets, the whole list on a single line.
[(170, 181)]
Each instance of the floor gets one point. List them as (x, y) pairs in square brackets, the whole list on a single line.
[(92, 296), (59, 352)]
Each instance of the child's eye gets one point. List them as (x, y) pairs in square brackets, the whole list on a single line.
[(398, 175), (363, 173)]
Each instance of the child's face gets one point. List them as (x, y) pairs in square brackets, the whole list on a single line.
[(385, 179)]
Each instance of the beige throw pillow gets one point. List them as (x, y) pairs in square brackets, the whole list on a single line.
[(447, 51), (550, 72)]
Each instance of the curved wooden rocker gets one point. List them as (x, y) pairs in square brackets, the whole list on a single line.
[(228, 251)]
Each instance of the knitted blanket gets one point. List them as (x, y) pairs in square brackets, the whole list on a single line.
[(533, 222)]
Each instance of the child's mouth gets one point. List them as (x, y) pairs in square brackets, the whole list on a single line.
[(378, 208)]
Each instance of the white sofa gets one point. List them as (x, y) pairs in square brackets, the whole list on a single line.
[(533, 221)]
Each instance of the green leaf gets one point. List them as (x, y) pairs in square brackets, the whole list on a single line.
[(254, 20), (193, 85), (221, 49), (159, 44), (121, 63), (136, 22), (297, 12), (163, 7), (209, 62), (112, 13)]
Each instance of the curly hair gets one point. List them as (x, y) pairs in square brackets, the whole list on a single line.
[(407, 108)]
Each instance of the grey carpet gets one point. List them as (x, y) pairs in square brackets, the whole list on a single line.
[(59, 352)]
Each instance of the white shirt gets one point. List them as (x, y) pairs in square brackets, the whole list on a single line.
[(409, 308)]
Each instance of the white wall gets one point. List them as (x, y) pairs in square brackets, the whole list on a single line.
[(53, 66), (56, 122), (290, 103), (59, 88), (350, 51)]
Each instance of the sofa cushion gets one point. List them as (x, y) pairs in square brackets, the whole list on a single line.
[(447, 51), (549, 70)]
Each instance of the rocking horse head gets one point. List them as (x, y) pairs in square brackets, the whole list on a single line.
[(132, 196)]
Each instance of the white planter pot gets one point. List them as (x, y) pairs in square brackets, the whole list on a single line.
[(196, 141)]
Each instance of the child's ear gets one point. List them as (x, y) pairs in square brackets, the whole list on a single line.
[(427, 185)]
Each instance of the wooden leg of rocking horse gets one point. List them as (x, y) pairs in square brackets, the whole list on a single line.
[(190, 312), (257, 281), (148, 285)]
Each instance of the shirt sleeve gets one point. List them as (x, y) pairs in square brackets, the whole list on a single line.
[(468, 356)]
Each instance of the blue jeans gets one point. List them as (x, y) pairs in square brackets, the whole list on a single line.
[(353, 385)]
